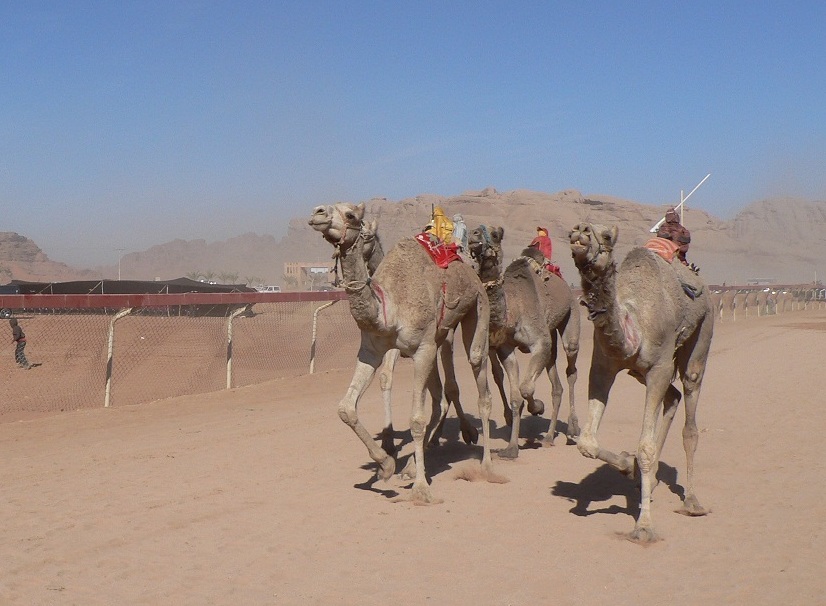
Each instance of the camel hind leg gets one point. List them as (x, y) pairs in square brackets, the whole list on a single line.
[(386, 382), (451, 391), (692, 372), (424, 361)]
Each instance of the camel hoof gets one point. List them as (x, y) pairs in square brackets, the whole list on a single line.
[(470, 435), (548, 441), (643, 536), (691, 507), (511, 452), (409, 471), (536, 407), (630, 468), (386, 468), (573, 430)]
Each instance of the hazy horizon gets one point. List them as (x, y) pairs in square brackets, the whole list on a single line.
[(131, 124)]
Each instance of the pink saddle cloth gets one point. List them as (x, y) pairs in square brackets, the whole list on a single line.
[(441, 253), (665, 248)]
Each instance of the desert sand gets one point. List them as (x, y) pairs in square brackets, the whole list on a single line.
[(261, 495)]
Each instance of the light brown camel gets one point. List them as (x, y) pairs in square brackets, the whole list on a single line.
[(529, 305), (373, 254), (409, 304), (645, 322)]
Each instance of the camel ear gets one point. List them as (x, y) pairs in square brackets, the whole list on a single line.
[(359, 210)]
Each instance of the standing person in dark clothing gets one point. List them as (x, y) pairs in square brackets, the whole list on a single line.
[(19, 337), (673, 230)]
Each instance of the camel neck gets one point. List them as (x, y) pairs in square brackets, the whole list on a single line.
[(490, 273), (365, 307), (599, 296), (376, 256)]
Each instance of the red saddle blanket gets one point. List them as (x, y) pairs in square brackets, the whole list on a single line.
[(441, 253), (665, 248)]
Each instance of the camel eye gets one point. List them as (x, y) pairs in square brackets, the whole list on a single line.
[(350, 216)]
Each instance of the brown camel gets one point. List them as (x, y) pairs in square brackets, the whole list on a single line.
[(645, 322), (373, 254), (529, 305), (409, 304)]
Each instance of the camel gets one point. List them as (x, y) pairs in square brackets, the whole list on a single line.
[(529, 305), (409, 304), (645, 322), (373, 254)]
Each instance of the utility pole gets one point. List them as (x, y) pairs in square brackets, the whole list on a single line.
[(120, 256)]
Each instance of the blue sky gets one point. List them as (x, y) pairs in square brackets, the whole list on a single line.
[(128, 124)]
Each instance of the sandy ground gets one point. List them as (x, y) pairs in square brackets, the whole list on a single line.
[(260, 495)]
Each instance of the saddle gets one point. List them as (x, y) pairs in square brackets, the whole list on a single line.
[(441, 253), (668, 250)]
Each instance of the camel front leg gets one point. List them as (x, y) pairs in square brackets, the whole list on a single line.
[(366, 365), (386, 382), (556, 404), (600, 380), (657, 382), (507, 356), (475, 337)]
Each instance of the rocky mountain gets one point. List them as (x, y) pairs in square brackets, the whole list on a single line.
[(756, 244), (22, 259)]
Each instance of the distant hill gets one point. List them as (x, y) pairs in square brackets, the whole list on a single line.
[(22, 259), (780, 239)]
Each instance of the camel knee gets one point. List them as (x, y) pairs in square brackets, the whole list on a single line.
[(385, 380), (347, 414), (588, 446), (646, 456), (417, 427)]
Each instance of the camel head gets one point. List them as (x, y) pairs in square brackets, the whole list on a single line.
[(340, 224), (485, 242), (592, 246)]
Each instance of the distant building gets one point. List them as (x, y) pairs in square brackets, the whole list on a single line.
[(309, 276)]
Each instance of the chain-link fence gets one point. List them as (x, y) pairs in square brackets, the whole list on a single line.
[(88, 357)]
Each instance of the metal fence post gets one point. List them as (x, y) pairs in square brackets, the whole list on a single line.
[(110, 357), (235, 313), (315, 325)]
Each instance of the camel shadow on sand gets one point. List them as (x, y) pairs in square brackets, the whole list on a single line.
[(450, 451), (604, 483)]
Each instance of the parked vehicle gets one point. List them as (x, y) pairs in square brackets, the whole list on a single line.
[(263, 288)]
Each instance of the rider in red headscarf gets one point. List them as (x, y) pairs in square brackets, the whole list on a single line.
[(542, 242)]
